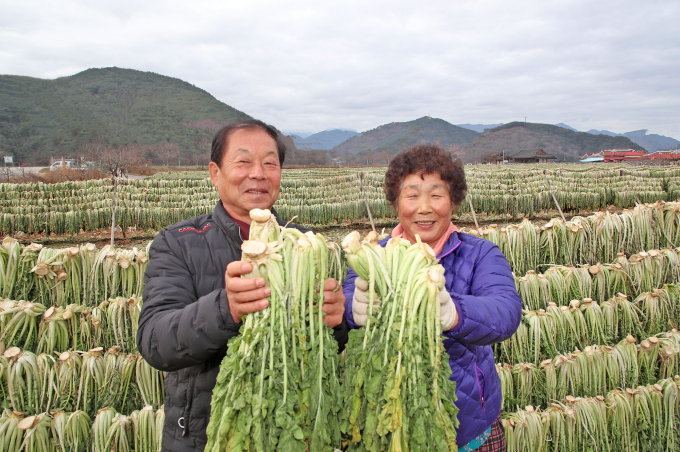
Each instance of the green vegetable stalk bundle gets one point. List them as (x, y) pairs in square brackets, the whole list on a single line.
[(278, 384), (396, 393)]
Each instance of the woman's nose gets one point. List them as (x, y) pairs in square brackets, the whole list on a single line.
[(424, 206)]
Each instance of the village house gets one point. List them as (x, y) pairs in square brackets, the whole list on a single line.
[(532, 156)]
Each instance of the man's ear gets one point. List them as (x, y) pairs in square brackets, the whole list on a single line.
[(214, 172)]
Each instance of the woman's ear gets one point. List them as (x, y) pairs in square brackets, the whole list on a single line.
[(454, 207)]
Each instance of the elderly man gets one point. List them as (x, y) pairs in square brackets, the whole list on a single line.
[(195, 297)]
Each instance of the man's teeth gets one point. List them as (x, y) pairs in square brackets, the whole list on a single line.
[(255, 191), (425, 223)]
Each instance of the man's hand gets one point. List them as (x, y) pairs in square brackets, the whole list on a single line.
[(333, 303), (245, 295)]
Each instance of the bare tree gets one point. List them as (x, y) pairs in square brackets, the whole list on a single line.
[(199, 159), (117, 163), (7, 172), (22, 165), (167, 151)]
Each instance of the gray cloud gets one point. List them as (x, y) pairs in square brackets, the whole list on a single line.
[(305, 66)]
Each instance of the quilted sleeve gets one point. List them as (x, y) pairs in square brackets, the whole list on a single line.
[(493, 310), (177, 329), (348, 290)]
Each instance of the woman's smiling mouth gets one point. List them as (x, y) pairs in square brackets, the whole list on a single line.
[(425, 224)]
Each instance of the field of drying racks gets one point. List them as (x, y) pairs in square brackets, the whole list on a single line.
[(594, 365)]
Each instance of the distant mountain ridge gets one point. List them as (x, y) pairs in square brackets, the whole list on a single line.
[(388, 139), (651, 142), (567, 127), (325, 140), (559, 141), (479, 128), (43, 117), (39, 118), (603, 132)]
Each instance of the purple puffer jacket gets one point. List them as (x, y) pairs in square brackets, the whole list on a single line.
[(480, 282)]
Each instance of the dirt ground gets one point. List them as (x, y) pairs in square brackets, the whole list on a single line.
[(100, 238)]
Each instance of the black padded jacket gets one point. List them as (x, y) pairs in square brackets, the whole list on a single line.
[(185, 322)]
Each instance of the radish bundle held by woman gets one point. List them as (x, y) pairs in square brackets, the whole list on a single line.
[(277, 386), (396, 389), (478, 306)]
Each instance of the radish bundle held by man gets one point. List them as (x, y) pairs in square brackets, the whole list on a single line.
[(192, 306), (278, 384), (479, 306)]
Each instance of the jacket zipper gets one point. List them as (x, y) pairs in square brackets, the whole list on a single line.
[(479, 385), (190, 402), (454, 248), (183, 422)]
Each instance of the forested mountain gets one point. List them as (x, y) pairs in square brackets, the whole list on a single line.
[(39, 118), (479, 128), (377, 145), (165, 115), (561, 142), (652, 142)]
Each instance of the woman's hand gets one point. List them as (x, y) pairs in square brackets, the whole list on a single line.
[(447, 310), (360, 301)]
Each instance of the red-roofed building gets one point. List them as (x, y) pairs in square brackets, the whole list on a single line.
[(630, 155), (671, 155), (615, 155)]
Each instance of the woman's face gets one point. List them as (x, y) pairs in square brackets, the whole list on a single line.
[(424, 208)]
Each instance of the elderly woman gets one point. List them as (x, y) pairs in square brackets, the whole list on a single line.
[(480, 305)]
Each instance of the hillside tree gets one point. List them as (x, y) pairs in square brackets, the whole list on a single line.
[(116, 162)]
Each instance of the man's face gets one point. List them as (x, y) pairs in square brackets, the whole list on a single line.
[(250, 174)]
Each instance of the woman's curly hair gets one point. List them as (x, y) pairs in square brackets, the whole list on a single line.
[(426, 159)]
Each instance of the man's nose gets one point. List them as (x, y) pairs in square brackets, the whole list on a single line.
[(257, 172)]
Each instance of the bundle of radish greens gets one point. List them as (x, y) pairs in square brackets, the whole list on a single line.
[(396, 393), (278, 385)]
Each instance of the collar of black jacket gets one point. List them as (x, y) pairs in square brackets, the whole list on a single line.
[(229, 226)]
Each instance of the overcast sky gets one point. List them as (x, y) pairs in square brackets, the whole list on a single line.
[(308, 66)]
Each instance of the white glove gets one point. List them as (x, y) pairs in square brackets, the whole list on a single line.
[(360, 301), (447, 310)]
